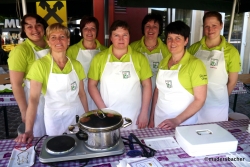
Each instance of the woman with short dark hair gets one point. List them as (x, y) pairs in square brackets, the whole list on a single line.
[(181, 83), (86, 49), (121, 72), (20, 60), (150, 44)]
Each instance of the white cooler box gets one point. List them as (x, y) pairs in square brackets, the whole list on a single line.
[(199, 140)]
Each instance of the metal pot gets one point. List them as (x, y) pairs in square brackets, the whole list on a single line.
[(102, 128)]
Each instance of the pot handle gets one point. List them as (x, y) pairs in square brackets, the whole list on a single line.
[(129, 122), (81, 135), (72, 127)]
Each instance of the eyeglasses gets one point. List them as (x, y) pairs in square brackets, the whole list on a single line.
[(144, 153)]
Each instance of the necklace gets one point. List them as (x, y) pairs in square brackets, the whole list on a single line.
[(151, 47)]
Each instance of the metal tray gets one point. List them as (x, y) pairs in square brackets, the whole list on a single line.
[(80, 152)]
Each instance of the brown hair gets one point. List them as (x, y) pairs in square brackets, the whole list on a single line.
[(157, 18), (38, 18), (89, 19), (116, 24), (213, 14)]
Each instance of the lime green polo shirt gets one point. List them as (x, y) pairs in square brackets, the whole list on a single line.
[(231, 54), (40, 70), (139, 46), (73, 50), (22, 57), (192, 73), (139, 60)]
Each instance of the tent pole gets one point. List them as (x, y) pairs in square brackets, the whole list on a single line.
[(24, 7), (106, 22), (231, 22)]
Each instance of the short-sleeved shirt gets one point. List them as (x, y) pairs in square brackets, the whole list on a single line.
[(192, 72), (40, 70), (139, 46), (22, 57), (231, 54), (140, 62), (73, 50)]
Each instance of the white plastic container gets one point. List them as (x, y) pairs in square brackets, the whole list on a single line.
[(199, 140)]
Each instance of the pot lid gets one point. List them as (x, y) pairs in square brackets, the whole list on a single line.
[(100, 120)]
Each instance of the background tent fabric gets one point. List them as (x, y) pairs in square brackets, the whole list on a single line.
[(230, 6), (207, 5)]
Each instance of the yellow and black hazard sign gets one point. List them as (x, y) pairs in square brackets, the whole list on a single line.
[(52, 11)]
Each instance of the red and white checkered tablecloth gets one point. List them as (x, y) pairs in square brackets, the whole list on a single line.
[(237, 128)]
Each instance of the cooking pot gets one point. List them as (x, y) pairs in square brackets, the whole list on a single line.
[(102, 128)]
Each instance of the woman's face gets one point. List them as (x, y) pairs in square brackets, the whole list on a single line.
[(33, 30), (212, 27), (58, 41), (176, 43), (151, 30), (120, 38), (89, 31)]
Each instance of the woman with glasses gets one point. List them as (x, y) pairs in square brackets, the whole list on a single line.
[(121, 72), (86, 49), (20, 61), (181, 82), (60, 80), (222, 62)]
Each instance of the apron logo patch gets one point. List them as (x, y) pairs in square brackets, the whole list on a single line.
[(126, 74), (214, 62), (168, 83), (155, 65), (73, 86)]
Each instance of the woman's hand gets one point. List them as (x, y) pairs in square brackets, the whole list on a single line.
[(151, 123), (27, 137), (142, 120), (169, 124)]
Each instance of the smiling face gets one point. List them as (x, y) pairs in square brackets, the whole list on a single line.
[(58, 41), (176, 43), (151, 30), (212, 28), (89, 32), (33, 30), (120, 38)]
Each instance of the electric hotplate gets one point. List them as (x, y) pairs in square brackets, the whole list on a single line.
[(75, 149)]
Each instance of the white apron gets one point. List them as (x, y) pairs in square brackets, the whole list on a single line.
[(85, 57), (154, 60), (120, 89), (173, 98), (62, 102), (39, 127), (216, 105)]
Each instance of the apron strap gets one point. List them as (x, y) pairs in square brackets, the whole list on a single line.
[(52, 63), (179, 67), (71, 64), (200, 47), (108, 58), (130, 59)]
